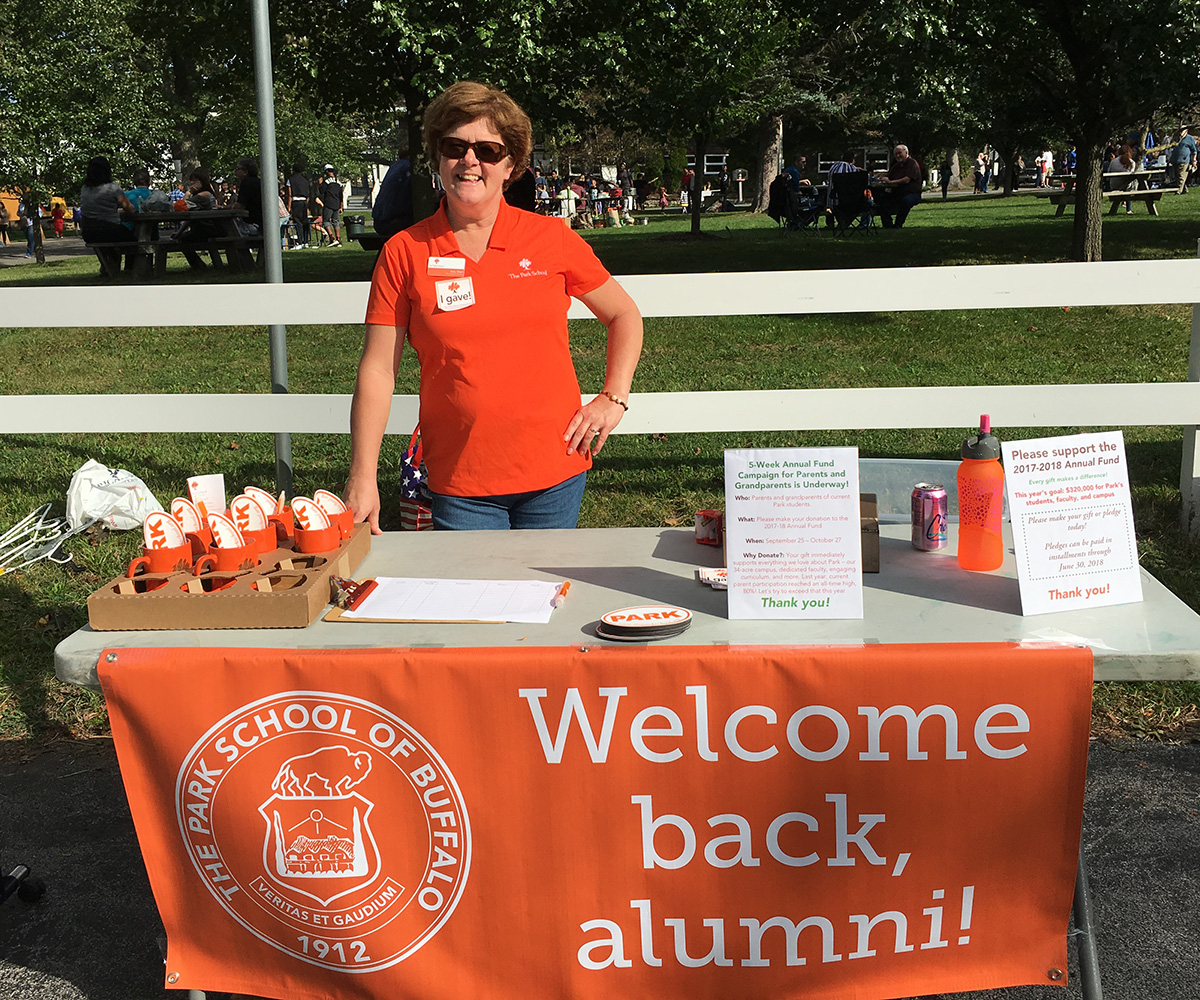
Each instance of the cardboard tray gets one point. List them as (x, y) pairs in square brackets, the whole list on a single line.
[(286, 590)]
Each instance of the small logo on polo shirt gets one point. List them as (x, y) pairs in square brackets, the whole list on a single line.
[(525, 264)]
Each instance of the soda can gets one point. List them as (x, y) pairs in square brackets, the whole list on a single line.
[(929, 516)]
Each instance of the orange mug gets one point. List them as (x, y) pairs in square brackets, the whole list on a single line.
[(343, 521), (318, 539), (286, 521), (161, 560), (226, 560), (200, 541), (261, 541)]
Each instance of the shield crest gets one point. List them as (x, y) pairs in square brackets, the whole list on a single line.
[(320, 846)]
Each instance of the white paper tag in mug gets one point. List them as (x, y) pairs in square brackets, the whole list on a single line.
[(455, 293)]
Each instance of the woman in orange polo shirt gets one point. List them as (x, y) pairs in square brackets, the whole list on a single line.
[(481, 291)]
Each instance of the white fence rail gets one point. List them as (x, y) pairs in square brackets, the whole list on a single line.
[(752, 293), (743, 293)]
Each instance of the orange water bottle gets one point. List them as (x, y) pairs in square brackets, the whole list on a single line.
[(980, 501)]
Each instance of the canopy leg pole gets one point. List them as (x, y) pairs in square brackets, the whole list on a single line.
[(1085, 933)]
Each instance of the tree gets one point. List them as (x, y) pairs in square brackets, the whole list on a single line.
[(385, 59), (71, 87), (681, 69), (1044, 69)]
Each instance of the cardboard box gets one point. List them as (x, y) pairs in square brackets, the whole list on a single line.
[(286, 590), (868, 512)]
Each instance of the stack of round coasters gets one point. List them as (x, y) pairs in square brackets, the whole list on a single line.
[(644, 624)]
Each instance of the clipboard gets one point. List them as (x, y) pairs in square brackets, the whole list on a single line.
[(503, 602), (337, 614)]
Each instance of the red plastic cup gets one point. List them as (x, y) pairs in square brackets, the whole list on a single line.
[(161, 560), (318, 540), (226, 560)]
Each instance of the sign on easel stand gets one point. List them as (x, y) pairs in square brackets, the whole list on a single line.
[(793, 533), (1072, 522)]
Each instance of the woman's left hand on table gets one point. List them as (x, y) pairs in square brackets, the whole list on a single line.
[(593, 421)]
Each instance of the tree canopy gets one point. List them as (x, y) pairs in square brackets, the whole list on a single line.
[(147, 83)]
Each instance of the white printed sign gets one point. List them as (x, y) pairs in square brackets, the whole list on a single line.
[(1072, 522), (793, 533)]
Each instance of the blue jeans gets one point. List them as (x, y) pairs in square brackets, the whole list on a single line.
[(554, 507)]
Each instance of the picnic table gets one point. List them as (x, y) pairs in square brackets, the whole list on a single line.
[(154, 234), (1136, 187)]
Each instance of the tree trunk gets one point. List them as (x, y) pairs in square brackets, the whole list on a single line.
[(770, 148), (186, 149), (1089, 173), (696, 195)]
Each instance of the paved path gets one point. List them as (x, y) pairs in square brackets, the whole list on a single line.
[(93, 935), (13, 255)]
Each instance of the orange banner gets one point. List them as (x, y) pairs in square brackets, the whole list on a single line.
[(883, 821)]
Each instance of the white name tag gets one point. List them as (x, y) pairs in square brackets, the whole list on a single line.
[(456, 293), (447, 265)]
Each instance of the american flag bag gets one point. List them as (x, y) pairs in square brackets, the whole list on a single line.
[(416, 513)]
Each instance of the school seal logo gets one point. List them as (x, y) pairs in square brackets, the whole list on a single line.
[(279, 805)]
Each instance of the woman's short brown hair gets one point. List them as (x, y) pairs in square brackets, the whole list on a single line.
[(467, 101)]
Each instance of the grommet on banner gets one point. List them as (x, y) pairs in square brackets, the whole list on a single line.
[(111, 658), (1055, 975), (173, 977)]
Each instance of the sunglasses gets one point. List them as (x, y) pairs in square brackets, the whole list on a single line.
[(485, 152)]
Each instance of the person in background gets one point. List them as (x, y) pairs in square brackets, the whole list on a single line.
[(393, 207), (201, 198), (297, 202), (795, 173), (286, 238), (641, 192), (318, 235), (102, 202), (625, 183), (685, 187), (481, 291), (723, 184), (847, 164), (1123, 163), (57, 214), (140, 191), (901, 189), (945, 172), (521, 192), (329, 196), (1183, 159), (26, 221), (4, 220), (248, 197)]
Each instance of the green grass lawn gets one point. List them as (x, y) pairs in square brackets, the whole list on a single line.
[(639, 480)]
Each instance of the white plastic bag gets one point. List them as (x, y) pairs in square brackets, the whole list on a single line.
[(114, 496)]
